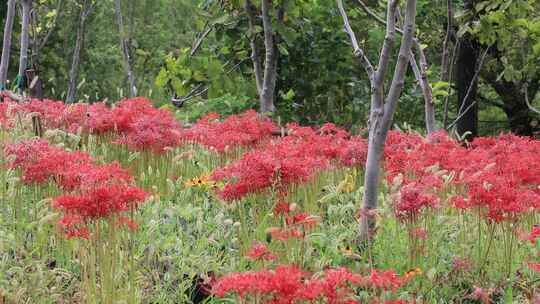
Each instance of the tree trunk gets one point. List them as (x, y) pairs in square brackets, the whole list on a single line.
[(6, 46), (515, 105), (124, 44), (270, 62), (466, 82), (467, 85), (23, 59), (255, 51), (420, 72), (381, 118), (76, 60)]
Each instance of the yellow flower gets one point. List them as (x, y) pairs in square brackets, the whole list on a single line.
[(347, 250), (203, 180), (413, 272)]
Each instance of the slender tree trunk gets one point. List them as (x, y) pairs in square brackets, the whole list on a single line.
[(467, 85), (270, 62), (255, 50), (76, 60), (124, 44), (380, 123), (6, 46), (23, 59), (420, 72), (382, 109), (466, 79)]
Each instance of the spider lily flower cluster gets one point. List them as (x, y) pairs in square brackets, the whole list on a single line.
[(93, 191), (489, 187)]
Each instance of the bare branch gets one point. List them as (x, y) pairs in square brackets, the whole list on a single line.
[(198, 42), (358, 51), (125, 47), (59, 11), (398, 79), (450, 78), (384, 57), (462, 111), (526, 93)]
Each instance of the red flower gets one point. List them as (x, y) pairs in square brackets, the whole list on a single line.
[(259, 251), (412, 200), (532, 236), (101, 202), (386, 280)]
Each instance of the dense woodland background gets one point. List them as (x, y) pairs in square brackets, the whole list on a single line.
[(198, 53)]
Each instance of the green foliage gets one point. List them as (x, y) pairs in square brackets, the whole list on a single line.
[(226, 105)]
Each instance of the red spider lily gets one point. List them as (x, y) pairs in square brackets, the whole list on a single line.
[(127, 222), (74, 227), (279, 164), (282, 208), (284, 234), (243, 130), (304, 220), (288, 284), (334, 286), (386, 280), (153, 132), (534, 266), (143, 127), (259, 251), (412, 200), (101, 202), (279, 285), (353, 153), (7, 109), (532, 236), (39, 161), (84, 176), (293, 159)]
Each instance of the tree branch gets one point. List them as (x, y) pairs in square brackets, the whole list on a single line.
[(59, 12), (197, 43), (357, 50), (388, 43), (398, 79), (526, 93), (462, 112)]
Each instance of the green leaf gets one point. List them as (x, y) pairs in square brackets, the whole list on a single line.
[(162, 78)]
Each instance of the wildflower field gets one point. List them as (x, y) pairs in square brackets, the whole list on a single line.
[(123, 204)]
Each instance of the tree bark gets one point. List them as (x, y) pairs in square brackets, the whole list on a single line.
[(76, 59), (270, 61), (125, 46), (6, 46), (420, 71), (421, 75), (515, 104), (23, 59), (381, 119), (255, 51), (467, 85), (382, 109)]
